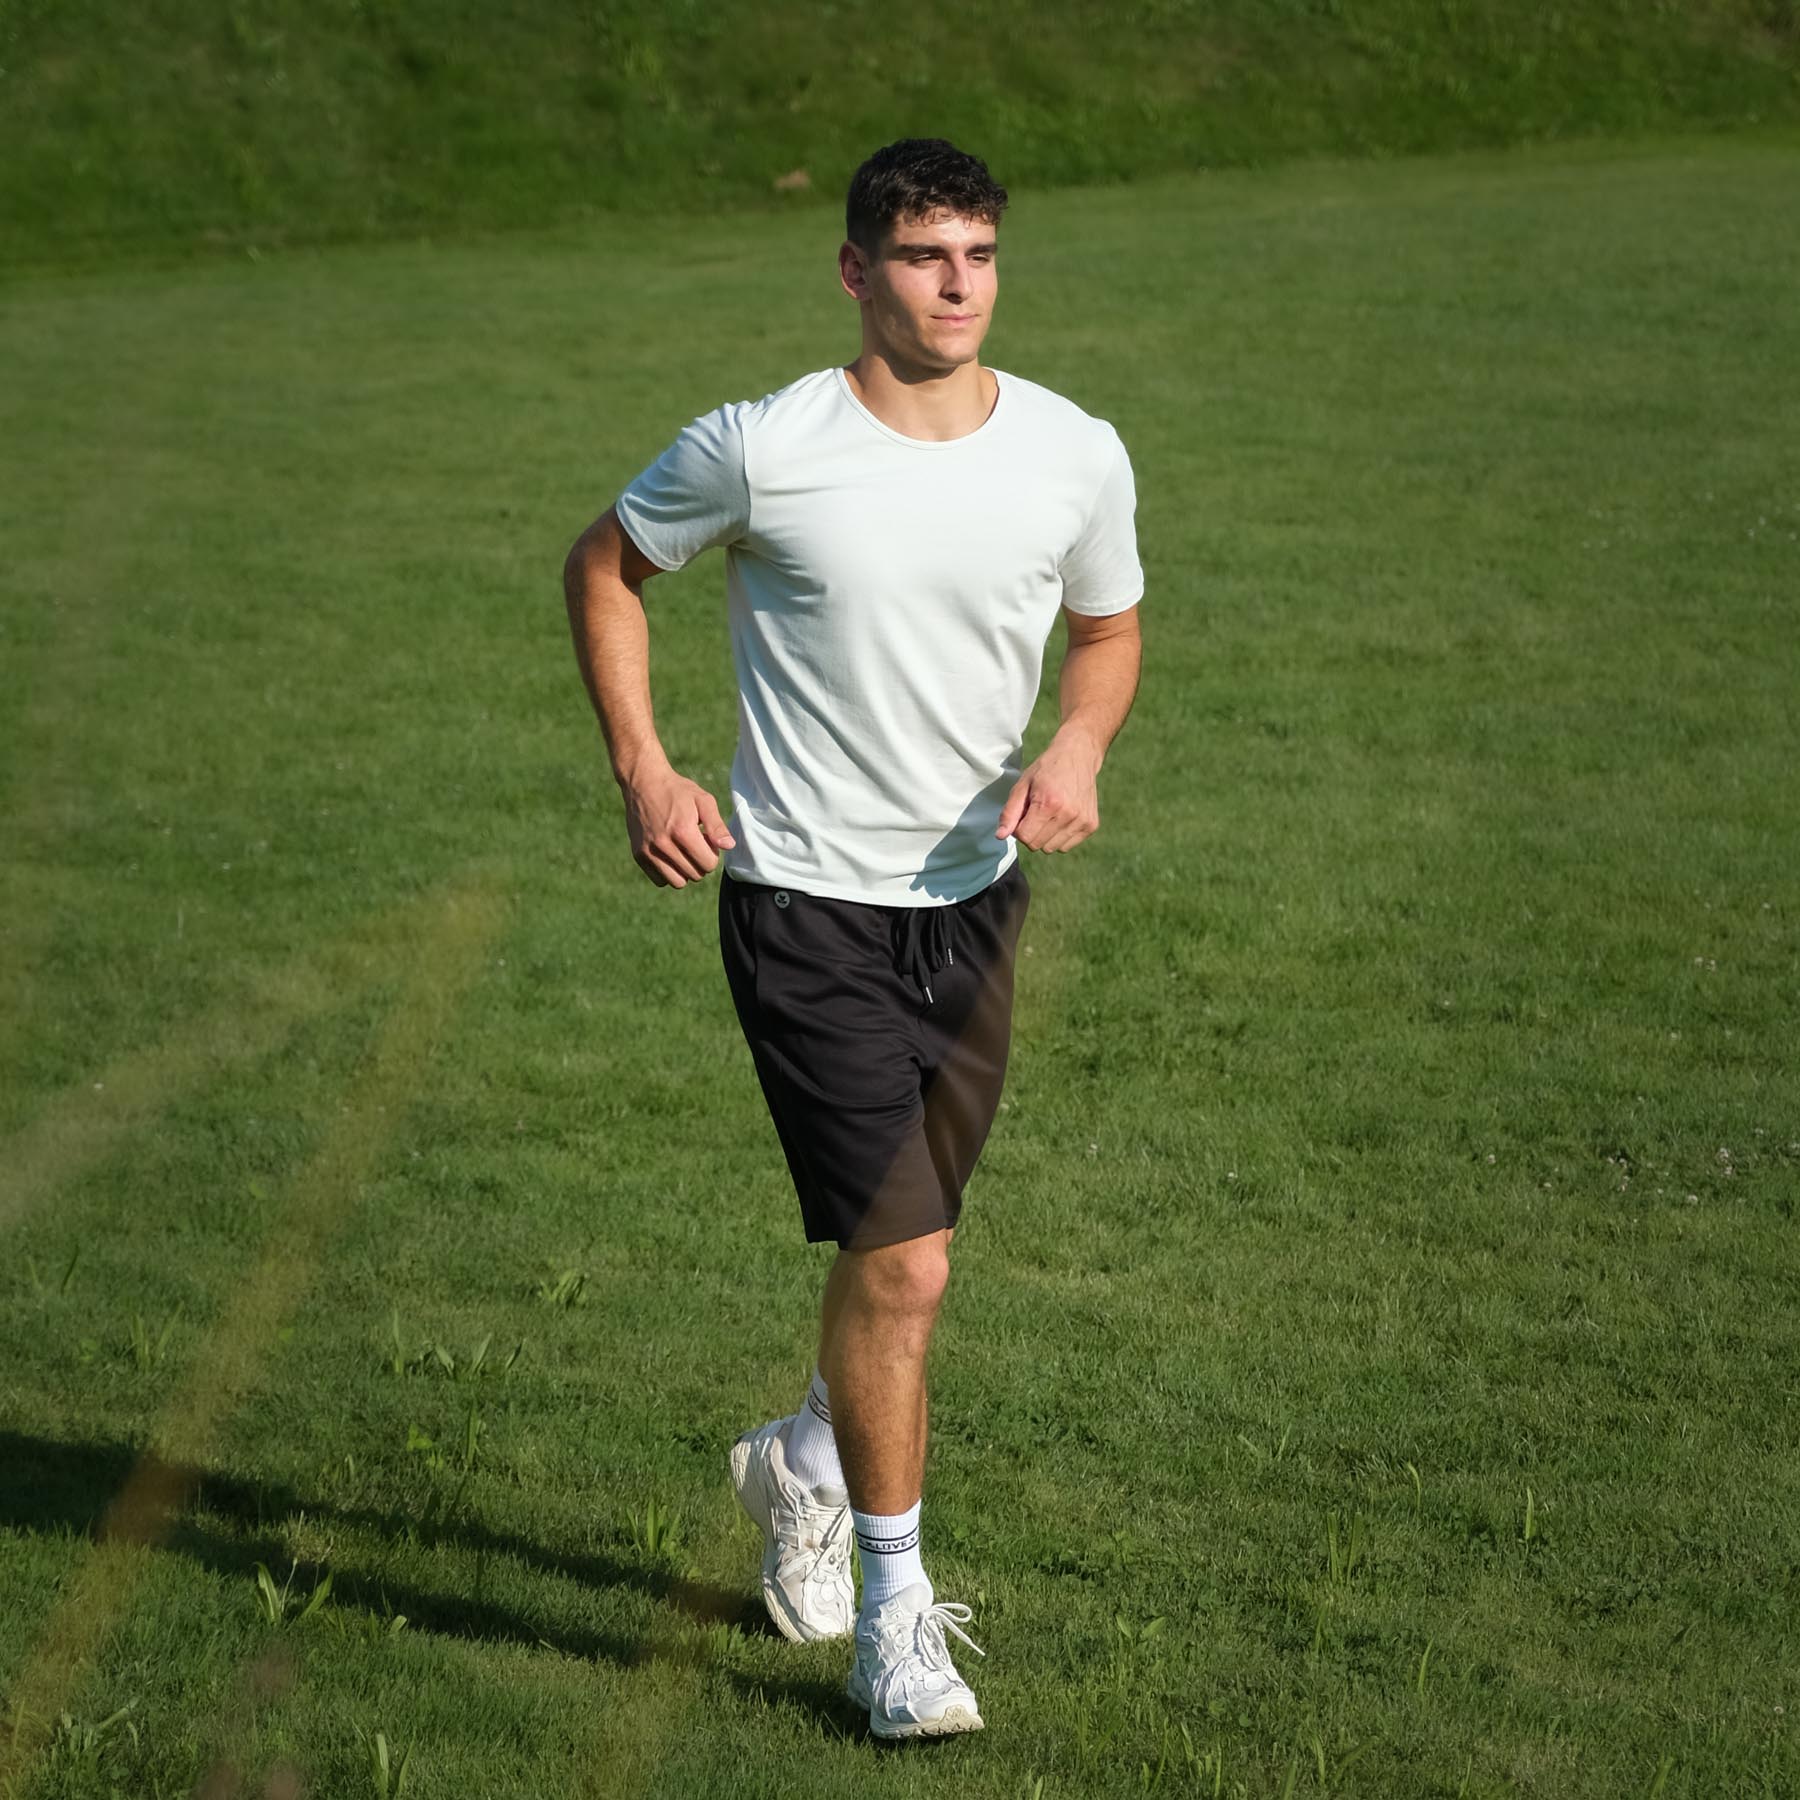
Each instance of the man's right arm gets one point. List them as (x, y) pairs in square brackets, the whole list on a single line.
[(675, 827)]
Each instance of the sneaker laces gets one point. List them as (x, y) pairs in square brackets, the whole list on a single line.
[(929, 1627)]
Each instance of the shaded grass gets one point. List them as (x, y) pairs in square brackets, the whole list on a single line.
[(1452, 825), (169, 129)]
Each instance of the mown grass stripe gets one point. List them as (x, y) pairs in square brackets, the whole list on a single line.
[(84, 1122), (231, 1359)]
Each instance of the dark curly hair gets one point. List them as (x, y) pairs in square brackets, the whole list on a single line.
[(914, 178)]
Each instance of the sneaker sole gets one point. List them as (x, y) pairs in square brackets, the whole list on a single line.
[(753, 1497), (948, 1724), (955, 1719)]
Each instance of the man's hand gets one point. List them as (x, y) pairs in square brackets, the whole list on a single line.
[(676, 830), (1055, 804)]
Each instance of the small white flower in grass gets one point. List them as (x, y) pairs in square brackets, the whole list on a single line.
[(1693, 1199), (1231, 1174), (1490, 1156)]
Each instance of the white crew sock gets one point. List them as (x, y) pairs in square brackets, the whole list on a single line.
[(887, 1545), (811, 1449)]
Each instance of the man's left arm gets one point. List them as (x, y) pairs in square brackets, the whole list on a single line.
[(1055, 804)]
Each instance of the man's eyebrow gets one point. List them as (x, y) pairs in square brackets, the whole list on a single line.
[(937, 249)]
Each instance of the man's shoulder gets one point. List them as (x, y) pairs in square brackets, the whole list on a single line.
[(799, 396), (1048, 412)]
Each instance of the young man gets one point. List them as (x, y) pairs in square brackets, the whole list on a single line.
[(900, 535)]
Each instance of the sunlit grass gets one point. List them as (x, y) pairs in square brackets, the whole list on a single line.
[(1367, 1369)]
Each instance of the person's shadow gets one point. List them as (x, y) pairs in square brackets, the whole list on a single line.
[(47, 1486), (968, 856)]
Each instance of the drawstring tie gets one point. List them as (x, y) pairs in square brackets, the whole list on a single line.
[(924, 942)]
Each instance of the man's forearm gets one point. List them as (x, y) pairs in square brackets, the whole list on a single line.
[(612, 647), (1099, 682)]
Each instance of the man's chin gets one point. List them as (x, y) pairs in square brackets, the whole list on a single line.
[(955, 354)]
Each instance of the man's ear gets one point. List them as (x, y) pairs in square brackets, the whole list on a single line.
[(853, 270)]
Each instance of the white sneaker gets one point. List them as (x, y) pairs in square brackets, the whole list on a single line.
[(807, 1533), (903, 1671)]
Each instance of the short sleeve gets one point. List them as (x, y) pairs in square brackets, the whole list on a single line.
[(694, 497), (1100, 570)]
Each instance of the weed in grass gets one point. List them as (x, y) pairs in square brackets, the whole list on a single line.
[(1418, 1490), (1424, 1664), (718, 1640), (1133, 1645), (1263, 1455), (274, 1602), (371, 1627), (1201, 1763), (77, 1747), (655, 1531), (147, 1350), (1341, 1560), (563, 1289), (1529, 1530), (387, 1775), (35, 1275), (433, 1358)]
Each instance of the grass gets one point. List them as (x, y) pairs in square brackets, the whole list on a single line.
[(1368, 1369), (163, 129)]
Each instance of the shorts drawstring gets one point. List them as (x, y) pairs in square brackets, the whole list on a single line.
[(924, 942)]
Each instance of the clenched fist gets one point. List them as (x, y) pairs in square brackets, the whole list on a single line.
[(676, 830), (1055, 804)]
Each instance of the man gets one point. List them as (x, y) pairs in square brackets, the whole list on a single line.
[(900, 535)]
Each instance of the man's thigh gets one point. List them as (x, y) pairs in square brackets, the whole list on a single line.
[(833, 1029)]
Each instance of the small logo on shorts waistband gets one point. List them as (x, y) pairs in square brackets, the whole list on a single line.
[(781, 896)]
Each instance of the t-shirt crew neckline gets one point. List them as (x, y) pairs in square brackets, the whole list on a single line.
[(913, 443)]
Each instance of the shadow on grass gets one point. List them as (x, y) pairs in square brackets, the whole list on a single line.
[(49, 1486)]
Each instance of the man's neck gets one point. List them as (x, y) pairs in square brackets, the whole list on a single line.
[(935, 407)]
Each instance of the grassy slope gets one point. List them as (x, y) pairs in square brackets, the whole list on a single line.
[(1404, 1076), (166, 126)]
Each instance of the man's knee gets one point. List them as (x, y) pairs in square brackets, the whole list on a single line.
[(908, 1277)]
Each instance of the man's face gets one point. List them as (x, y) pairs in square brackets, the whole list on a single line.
[(929, 289)]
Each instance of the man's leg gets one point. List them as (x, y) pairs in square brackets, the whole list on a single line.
[(875, 1329)]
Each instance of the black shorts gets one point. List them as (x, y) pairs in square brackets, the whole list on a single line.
[(880, 1036)]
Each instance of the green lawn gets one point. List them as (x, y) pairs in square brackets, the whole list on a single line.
[(165, 128), (1371, 1363)]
